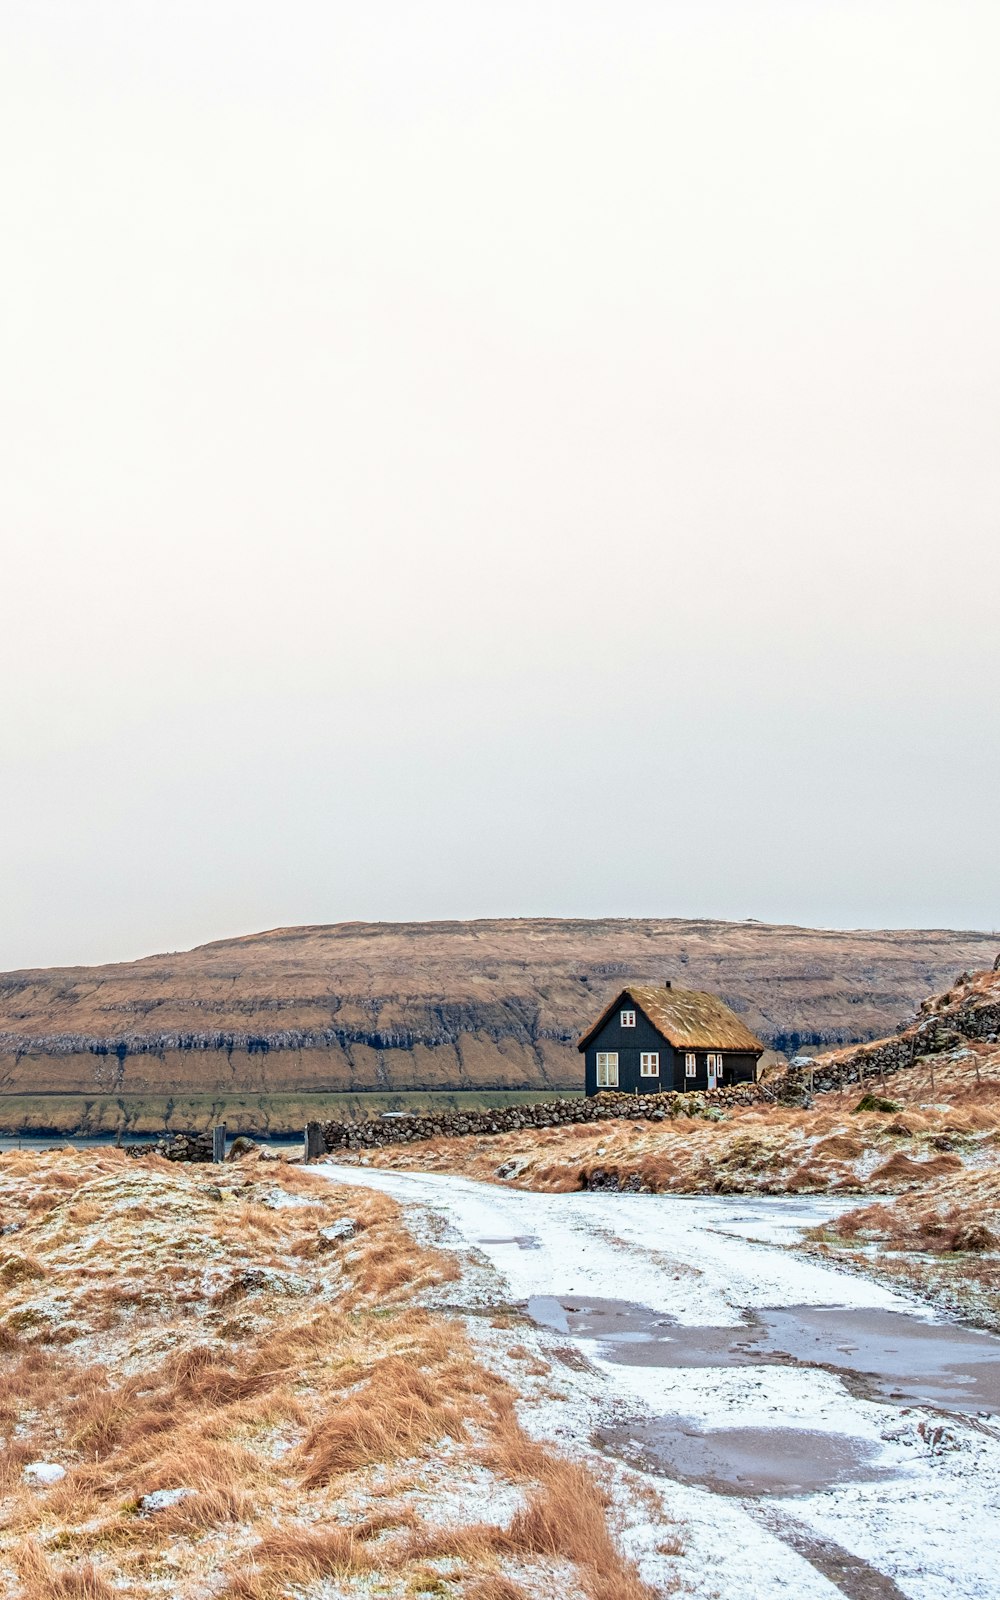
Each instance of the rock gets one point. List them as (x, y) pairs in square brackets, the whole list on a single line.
[(43, 1473), (405, 1128), (162, 1499), (241, 1146), (608, 1179), (224, 1286), (211, 1190), (512, 1168), (337, 1233)]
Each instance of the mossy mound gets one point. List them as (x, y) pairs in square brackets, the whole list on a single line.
[(877, 1102)]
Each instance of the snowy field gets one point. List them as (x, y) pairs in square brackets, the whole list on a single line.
[(920, 1517)]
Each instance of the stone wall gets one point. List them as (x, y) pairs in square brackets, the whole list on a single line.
[(376, 1132), (176, 1147), (971, 1010), (967, 1013)]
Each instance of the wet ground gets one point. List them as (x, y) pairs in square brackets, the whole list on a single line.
[(885, 1354), (745, 1461), (880, 1354)]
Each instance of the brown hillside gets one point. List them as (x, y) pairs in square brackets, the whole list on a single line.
[(487, 1004)]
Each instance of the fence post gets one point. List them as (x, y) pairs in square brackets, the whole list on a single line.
[(313, 1141), (219, 1142)]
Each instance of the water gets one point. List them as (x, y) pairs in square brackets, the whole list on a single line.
[(893, 1355), (59, 1141), (107, 1141)]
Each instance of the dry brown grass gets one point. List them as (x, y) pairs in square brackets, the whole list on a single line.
[(958, 1215), (495, 1587), (42, 1579), (288, 1560), (216, 1347), (396, 1411), (565, 1517), (563, 1521)]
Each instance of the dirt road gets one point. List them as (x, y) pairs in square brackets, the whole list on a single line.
[(819, 1435)]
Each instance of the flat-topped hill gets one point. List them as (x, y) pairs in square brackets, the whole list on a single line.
[(491, 1004)]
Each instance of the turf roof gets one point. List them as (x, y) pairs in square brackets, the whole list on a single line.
[(688, 1019)]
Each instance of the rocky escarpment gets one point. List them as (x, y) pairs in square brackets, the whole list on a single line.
[(437, 1006)]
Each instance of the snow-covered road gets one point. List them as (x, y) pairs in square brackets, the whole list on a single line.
[(656, 1292)]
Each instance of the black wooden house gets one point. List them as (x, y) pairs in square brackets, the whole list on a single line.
[(651, 1038)]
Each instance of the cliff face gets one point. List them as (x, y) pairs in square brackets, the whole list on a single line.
[(447, 1005)]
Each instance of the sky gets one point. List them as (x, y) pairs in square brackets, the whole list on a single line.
[(496, 460)]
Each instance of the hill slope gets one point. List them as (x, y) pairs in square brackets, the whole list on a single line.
[(447, 1005)]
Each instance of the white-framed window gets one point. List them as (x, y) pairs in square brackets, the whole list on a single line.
[(649, 1064), (607, 1069), (628, 1019), (690, 1065)]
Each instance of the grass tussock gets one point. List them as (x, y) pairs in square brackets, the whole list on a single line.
[(496, 1587), (396, 1411), (941, 1240), (947, 1218), (564, 1521), (287, 1561)]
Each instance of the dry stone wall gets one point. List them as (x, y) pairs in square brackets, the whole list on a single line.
[(176, 1147), (971, 1016), (377, 1132)]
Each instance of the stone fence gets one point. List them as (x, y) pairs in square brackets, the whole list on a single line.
[(932, 1035), (410, 1129)]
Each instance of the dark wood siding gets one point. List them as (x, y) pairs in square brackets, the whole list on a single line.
[(740, 1067), (737, 1067), (630, 1043)]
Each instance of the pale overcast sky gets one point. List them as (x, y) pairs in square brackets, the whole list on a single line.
[(471, 459)]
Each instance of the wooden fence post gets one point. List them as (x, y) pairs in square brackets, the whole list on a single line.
[(219, 1142), (313, 1141)]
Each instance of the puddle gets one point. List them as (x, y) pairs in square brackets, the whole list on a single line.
[(909, 1359), (890, 1354), (746, 1461)]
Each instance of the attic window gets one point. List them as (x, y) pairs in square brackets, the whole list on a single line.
[(649, 1064), (628, 1019), (607, 1069), (691, 1065)]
